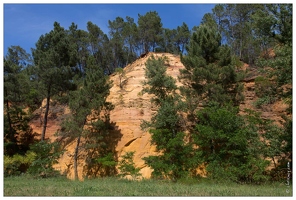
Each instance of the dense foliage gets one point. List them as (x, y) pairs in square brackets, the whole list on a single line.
[(196, 125), (229, 146), (166, 128), (89, 99), (46, 155)]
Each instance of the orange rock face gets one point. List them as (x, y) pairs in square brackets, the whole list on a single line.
[(131, 108)]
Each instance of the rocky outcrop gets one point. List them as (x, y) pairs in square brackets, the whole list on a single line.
[(272, 111), (131, 108)]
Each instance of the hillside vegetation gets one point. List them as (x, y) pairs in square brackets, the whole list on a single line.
[(145, 101)]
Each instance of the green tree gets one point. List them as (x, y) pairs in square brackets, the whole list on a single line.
[(52, 59), (158, 83), (229, 146), (166, 126), (122, 78), (287, 138), (243, 39), (282, 28), (250, 29), (167, 41), (149, 29), (131, 37), (17, 133), (262, 26), (119, 53), (209, 20), (209, 73), (276, 26), (237, 28), (276, 140), (174, 40), (218, 13), (127, 166), (279, 67), (18, 164), (183, 36), (79, 42), (99, 47), (46, 154), (89, 99)]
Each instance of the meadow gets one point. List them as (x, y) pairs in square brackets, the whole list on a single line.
[(60, 186)]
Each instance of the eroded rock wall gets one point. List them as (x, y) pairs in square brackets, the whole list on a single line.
[(131, 107)]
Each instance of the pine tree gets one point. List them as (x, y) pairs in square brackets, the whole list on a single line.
[(229, 145), (209, 73), (79, 43), (237, 28), (127, 166), (212, 89), (131, 37), (281, 18), (52, 58), (168, 41), (89, 99), (278, 69), (99, 47), (183, 36), (176, 159), (119, 54), (149, 29), (17, 133)]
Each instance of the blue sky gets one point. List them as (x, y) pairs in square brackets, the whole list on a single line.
[(23, 24)]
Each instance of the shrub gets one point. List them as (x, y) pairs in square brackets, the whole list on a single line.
[(120, 100), (127, 166), (46, 155), (177, 159), (264, 87), (18, 164), (264, 101)]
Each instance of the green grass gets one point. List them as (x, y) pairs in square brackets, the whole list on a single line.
[(28, 186)]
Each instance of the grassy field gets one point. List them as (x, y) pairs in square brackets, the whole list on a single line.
[(27, 186)]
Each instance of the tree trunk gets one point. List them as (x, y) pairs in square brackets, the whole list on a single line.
[(76, 159), (45, 115), (182, 48), (11, 134)]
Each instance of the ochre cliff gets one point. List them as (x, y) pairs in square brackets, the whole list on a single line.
[(131, 107)]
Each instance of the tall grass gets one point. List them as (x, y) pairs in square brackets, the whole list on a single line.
[(28, 186)]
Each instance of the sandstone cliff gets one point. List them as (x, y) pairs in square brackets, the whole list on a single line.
[(131, 107)]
